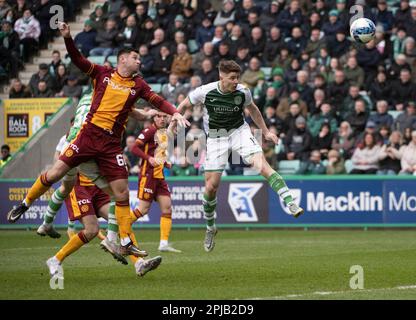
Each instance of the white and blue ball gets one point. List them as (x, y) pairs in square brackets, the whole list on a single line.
[(363, 30)]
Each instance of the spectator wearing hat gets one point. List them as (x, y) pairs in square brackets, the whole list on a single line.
[(273, 45), (128, 37), (18, 90), (333, 25), (178, 24), (338, 45), (381, 117), (343, 14), (42, 74), (192, 20), (269, 16), (290, 18), (384, 16), (28, 29), (205, 32), (278, 82), (85, 40), (71, 89), (313, 165), (366, 157), (297, 142), (407, 119), (98, 18), (226, 14), (9, 49), (106, 39)]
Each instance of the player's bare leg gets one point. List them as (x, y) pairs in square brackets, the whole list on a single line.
[(90, 231), (121, 195), (276, 182), (209, 202), (41, 185)]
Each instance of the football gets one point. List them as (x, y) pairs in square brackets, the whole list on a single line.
[(363, 30)]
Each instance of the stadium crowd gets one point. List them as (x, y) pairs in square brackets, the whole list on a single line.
[(338, 106)]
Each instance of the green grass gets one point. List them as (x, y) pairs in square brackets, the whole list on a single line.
[(272, 264)]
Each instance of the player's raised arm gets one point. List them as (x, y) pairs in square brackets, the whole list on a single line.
[(142, 115), (83, 64), (185, 104)]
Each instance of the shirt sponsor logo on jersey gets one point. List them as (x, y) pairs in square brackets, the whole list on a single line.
[(74, 147), (116, 86), (84, 201)]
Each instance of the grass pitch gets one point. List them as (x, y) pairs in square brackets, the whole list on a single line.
[(261, 264)]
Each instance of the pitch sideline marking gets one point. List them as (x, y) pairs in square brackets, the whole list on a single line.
[(326, 293)]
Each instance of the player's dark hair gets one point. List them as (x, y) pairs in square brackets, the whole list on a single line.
[(126, 50), (228, 66), (5, 147)]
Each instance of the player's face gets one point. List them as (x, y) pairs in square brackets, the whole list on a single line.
[(161, 120), (133, 62), (229, 81)]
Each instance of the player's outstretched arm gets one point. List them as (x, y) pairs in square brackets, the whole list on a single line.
[(142, 115), (185, 104), (83, 64), (259, 121)]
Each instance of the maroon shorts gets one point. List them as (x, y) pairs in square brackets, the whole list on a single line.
[(150, 188), (95, 143), (85, 201)]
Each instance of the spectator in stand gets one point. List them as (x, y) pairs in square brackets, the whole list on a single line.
[(282, 110), (5, 154), (28, 29), (403, 90), (315, 42), (18, 90), (273, 45), (291, 72), (368, 58), (147, 32), (236, 40), (365, 157), (4, 8), (128, 37), (219, 35), (343, 140), (182, 63), (323, 141), (98, 18), (389, 160), (162, 66), (42, 74), (85, 40), (207, 73), (325, 116), (244, 10), (313, 165), (407, 155), (335, 164), (207, 51), (226, 14), (9, 49), (338, 90), (132, 159), (407, 119), (253, 74), (397, 66), (172, 89), (333, 25), (358, 117), (243, 58), (42, 91), (354, 74), (381, 117), (157, 42), (42, 11), (257, 42), (380, 88), (106, 39), (140, 14), (269, 17), (112, 7), (348, 104), (147, 62), (71, 89), (297, 42), (402, 15), (297, 142), (290, 18), (56, 61), (205, 32), (60, 78), (177, 25)]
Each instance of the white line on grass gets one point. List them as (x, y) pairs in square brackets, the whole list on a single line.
[(327, 293)]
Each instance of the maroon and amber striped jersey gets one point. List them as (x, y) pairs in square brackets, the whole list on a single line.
[(153, 142), (114, 96)]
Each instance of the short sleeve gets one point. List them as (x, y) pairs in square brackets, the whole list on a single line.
[(247, 94), (145, 136), (61, 144), (197, 96)]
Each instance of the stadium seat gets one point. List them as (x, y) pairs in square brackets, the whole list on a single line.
[(112, 60), (156, 87), (349, 165), (267, 72), (97, 59), (394, 113), (192, 46), (288, 166)]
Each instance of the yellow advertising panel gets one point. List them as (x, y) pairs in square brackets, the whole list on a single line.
[(23, 117)]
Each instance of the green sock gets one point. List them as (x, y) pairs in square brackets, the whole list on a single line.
[(112, 230), (53, 206), (277, 183), (209, 206)]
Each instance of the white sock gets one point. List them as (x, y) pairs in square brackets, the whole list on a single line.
[(164, 243), (125, 241), (211, 228), (112, 236), (56, 260)]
